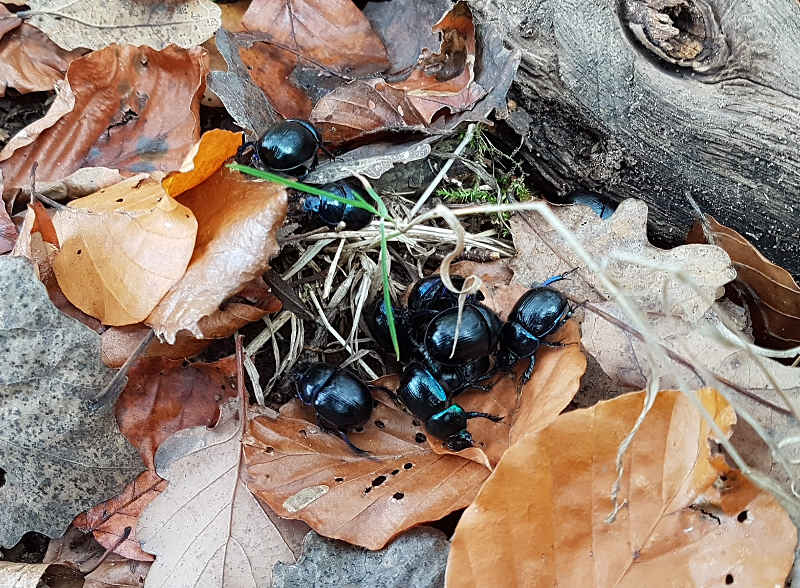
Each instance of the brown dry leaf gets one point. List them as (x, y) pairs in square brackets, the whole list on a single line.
[(8, 22), (271, 69), (539, 519), (161, 397), (118, 343), (776, 311), (122, 249), (333, 33), (206, 157), (303, 472), (25, 575), (542, 253), (29, 61), (83, 23), (128, 108), (237, 224), (118, 572), (8, 230), (206, 528)]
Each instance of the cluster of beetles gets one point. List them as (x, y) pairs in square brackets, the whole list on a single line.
[(445, 349)]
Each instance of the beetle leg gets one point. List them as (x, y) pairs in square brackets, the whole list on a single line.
[(484, 415), (557, 278), (326, 152), (343, 436), (527, 375)]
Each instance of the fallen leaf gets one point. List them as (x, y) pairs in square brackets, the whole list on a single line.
[(333, 33), (118, 572), (118, 108), (29, 61), (8, 230), (776, 311), (397, 566), (237, 223), (164, 396), (82, 182), (542, 253), (371, 160), (243, 100), (75, 548), (304, 472), (122, 249), (554, 486), (206, 157), (25, 575), (60, 446), (83, 23), (118, 343), (8, 22), (206, 528)]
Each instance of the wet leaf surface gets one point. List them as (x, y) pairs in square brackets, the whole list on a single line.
[(560, 479)]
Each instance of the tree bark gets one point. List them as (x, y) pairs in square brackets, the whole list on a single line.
[(660, 99)]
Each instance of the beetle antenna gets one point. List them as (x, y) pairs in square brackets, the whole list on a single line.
[(357, 450), (484, 415), (558, 278)]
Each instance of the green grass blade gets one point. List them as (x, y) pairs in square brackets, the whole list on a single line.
[(387, 301), (360, 202)]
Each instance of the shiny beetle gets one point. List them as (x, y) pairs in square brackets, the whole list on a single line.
[(478, 335), (289, 146), (378, 323), (540, 312), (340, 399), (423, 396), (430, 294), (334, 213)]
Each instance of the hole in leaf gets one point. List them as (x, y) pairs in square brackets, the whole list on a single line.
[(120, 200), (416, 423), (742, 516), (379, 424), (78, 251), (338, 479), (269, 449), (379, 480), (420, 438), (395, 472), (359, 429), (367, 489), (408, 466), (729, 579), (398, 495)]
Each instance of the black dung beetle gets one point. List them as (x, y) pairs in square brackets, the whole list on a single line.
[(422, 395), (340, 399), (457, 379), (378, 323), (478, 335), (430, 294), (289, 146), (540, 312), (334, 213)]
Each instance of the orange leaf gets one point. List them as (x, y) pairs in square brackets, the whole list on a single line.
[(131, 108), (122, 248), (43, 224), (206, 157), (237, 224), (539, 518), (776, 312)]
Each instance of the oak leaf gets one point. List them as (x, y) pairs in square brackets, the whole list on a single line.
[(776, 310), (206, 528), (539, 518), (118, 572), (116, 109), (82, 23), (122, 249), (60, 447)]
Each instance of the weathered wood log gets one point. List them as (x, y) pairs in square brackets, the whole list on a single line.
[(657, 99)]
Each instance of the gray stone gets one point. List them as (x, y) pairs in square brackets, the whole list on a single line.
[(415, 559)]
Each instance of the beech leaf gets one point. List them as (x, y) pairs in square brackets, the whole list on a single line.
[(60, 446), (238, 220), (122, 249), (206, 528), (541, 515), (83, 23)]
